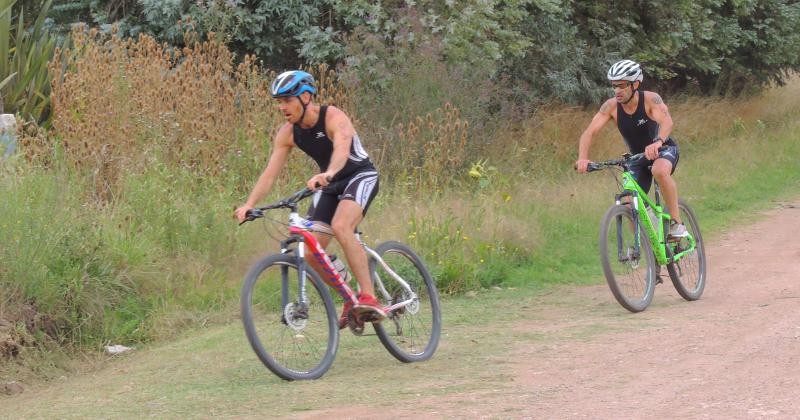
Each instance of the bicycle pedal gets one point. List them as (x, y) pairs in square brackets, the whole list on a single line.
[(659, 280), (369, 317), (355, 324)]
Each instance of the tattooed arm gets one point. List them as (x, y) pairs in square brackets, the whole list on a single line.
[(655, 107), (658, 112)]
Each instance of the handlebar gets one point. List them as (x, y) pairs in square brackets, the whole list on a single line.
[(626, 159), (286, 203)]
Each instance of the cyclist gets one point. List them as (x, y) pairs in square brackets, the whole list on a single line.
[(645, 124), (345, 186)]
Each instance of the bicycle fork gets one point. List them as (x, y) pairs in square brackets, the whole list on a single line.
[(624, 255), (329, 274), (301, 310)]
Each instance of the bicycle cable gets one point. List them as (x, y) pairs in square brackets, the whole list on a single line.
[(278, 237), (616, 178), (274, 233)]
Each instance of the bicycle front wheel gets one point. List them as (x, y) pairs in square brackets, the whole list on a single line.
[(293, 340), (630, 270), (410, 333), (688, 274)]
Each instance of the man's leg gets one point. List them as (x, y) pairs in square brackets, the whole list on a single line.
[(324, 239), (662, 172), (348, 215)]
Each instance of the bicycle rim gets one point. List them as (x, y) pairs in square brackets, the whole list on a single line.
[(291, 342), (630, 275), (689, 273), (410, 333)]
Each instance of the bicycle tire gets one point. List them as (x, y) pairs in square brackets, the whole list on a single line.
[(267, 326), (634, 293), (411, 333), (689, 273)]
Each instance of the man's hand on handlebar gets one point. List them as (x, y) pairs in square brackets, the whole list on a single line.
[(241, 213), (581, 165), (651, 151), (319, 180)]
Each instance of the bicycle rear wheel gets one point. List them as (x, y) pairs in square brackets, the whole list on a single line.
[(292, 341), (631, 274), (410, 333), (689, 273)]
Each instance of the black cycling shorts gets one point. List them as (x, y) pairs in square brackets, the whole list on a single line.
[(361, 187), (641, 171)]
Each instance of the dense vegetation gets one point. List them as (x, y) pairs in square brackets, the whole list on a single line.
[(116, 218), (542, 49)]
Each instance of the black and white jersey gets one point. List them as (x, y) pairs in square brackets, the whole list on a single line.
[(315, 142)]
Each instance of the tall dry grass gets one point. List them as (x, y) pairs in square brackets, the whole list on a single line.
[(122, 104)]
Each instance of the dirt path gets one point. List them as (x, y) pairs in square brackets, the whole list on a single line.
[(735, 353)]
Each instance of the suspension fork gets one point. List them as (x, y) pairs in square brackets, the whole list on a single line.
[(637, 227), (302, 266)]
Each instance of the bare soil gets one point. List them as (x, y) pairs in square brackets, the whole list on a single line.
[(735, 353)]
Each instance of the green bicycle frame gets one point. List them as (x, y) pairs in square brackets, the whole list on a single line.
[(656, 234)]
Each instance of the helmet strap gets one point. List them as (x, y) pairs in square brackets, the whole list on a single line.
[(304, 105)]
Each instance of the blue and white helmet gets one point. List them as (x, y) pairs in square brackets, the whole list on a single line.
[(293, 83), (625, 70)]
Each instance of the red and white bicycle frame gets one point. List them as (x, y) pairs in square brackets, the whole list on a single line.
[(301, 230)]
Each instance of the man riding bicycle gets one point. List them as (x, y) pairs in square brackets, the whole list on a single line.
[(345, 187), (645, 124)]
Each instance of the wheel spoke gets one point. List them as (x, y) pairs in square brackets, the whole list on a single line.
[(628, 261), (299, 348), (688, 273), (412, 332)]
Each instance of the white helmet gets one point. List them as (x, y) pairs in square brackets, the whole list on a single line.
[(625, 70)]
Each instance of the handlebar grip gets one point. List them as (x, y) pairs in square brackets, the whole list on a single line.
[(593, 167), (251, 215)]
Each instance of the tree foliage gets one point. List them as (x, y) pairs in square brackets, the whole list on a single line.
[(543, 48)]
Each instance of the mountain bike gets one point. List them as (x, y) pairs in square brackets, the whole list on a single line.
[(634, 243), (290, 317)]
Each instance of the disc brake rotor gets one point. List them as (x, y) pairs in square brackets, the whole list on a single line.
[(634, 262), (295, 319)]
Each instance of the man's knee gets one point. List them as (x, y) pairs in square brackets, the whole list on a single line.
[(323, 233), (342, 226), (662, 170)]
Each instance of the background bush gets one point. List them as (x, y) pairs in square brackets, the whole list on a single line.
[(541, 49)]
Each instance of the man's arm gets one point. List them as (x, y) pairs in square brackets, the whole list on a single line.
[(658, 112), (598, 121), (277, 160), (341, 132)]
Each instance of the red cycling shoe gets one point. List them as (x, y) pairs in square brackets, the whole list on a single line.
[(370, 307)]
